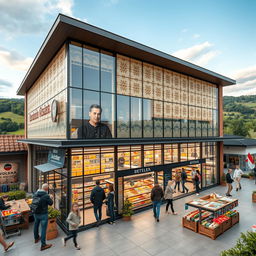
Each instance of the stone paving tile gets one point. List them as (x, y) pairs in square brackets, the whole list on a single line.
[(145, 237)]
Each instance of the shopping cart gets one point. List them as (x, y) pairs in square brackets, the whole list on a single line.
[(9, 221)]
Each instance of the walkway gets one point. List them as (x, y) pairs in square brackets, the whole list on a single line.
[(143, 236)]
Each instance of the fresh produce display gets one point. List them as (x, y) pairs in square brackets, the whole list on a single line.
[(221, 219), (194, 216), (231, 213), (208, 222)]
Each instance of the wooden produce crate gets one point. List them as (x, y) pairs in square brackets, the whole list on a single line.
[(212, 233), (235, 219), (192, 225), (226, 224)]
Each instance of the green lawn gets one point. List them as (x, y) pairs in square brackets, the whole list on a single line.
[(15, 118), (19, 132), (249, 104)]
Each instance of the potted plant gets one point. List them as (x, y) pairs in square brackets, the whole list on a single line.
[(245, 245), (223, 179), (251, 175), (254, 196), (127, 210), (52, 229)]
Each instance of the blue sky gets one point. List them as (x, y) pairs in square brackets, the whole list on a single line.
[(218, 35)]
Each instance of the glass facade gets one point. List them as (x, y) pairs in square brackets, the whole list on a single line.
[(137, 100)]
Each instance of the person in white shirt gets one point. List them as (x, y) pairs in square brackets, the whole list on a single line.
[(237, 177)]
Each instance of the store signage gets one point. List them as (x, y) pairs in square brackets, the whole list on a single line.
[(8, 173), (142, 170), (57, 157), (45, 110)]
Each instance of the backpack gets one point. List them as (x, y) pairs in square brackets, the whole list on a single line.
[(36, 205)]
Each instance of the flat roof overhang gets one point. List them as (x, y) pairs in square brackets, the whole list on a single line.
[(65, 28), (117, 142)]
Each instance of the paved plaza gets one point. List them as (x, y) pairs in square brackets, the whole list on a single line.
[(144, 237)]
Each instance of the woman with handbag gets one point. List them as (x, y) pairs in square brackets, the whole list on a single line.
[(111, 204)]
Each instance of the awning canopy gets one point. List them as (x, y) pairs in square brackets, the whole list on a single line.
[(46, 167)]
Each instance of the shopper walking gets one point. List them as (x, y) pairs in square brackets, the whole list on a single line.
[(111, 204), (6, 246), (157, 195), (183, 181), (97, 197), (197, 181), (237, 177), (74, 220), (193, 175), (229, 181), (39, 206), (3, 205), (177, 180), (168, 196)]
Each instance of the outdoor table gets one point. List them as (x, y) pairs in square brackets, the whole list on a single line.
[(215, 211), (22, 206)]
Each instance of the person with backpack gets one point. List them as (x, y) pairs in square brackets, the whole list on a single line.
[(39, 207), (197, 181), (97, 197), (157, 195), (183, 181), (74, 220)]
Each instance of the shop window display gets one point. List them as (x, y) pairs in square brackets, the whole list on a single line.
[(124, 158), (168, 154), (148, 155), (136, 157)]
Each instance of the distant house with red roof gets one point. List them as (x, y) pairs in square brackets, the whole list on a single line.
[(13, 161)]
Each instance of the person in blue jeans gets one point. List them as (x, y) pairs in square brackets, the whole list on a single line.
[(97, 197), (157, 195), (41, 216), (111, 204)]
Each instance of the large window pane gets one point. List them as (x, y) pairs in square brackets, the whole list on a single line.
[(136, 117), (75, 112), (75, 66), (91, 69), (123, 117), (107, 73), (107, 159), (90, 98), (158, 155), (148, 118), (108, 111), (168, 154), (124, 158), (176, 128), (148, 155), (135, 156)]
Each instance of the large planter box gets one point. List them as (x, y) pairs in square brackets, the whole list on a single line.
[(192, 225), (212, 233), (52, 229), (226, 225), (127, 218), (235, 219)]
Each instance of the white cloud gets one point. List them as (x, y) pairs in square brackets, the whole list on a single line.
[(195, 36), (14, 60), (5, 87), (184, 30), (199, 54), (246, 82), (30, 16)]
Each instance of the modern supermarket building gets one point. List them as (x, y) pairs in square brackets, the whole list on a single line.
[(162, 114)]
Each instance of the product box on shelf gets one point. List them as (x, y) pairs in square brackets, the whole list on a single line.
[(235, 218)]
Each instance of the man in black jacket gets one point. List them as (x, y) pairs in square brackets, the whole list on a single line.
[(229, 181), (184, 180), (41, 216), (97, 197)]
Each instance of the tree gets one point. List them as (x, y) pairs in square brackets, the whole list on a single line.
[(239, 127)]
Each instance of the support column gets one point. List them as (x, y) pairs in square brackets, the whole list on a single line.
[(29, 168)]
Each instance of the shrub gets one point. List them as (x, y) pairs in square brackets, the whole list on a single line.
[(53, 213), (15, 195), (251, 174), (245, 176), (245, 246), (127, 208)]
